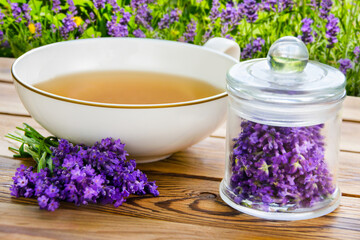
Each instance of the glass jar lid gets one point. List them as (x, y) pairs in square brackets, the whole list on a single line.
[(287, 76)]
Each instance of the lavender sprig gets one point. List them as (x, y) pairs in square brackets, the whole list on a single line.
[(34, 145)]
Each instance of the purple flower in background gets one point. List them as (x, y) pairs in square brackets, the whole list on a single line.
[(164, 22), (116, 29), (190, 32), (38, 29), (2, 15), (115, 6), (214, 12), (16, 12), (99, 3), (252, 48), (277, 5), (230, 16), (1, 36), (68, 26), (250, 8), (125, 17), (53, 28), (207, 35), (325, 8), (306, 29), (314, 4), (345, 64), (26, 10), (168, 19), (139, 34), (56, 6), (72, 7), (175, 15), (357, 53), (332, 29), (279, 166), (143, 14)]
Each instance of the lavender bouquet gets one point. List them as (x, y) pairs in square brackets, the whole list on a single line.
[(279, 167), (76, 173)]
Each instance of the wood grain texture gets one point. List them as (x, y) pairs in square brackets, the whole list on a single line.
[(183, 200), (10, 102), (351, 109), (5, 66)]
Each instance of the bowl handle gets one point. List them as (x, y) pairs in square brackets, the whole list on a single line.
[(224, 45)]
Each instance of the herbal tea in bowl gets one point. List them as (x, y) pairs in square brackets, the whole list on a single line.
[(157, 96)]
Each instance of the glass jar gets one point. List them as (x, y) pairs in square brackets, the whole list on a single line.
[(283, 135)]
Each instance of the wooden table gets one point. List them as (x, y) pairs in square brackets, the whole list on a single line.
[(189, 206)]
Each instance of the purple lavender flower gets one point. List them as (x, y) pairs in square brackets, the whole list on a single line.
[(68, 26), (16, 12), (207, 35), (168, 19), (306, 29), (214, 12), (314, 4), (164, 22), (143, 16), (56, 6), (72, 8), (325, 8), (190, 32), (116, 29), (250, 8), (53, 205), (139, 34), (357, 54), (96, 174), (252, 48), (345, 64), (2, 15), (282, 166), (175, 15), (115, 6), (43, 201), (99, 3), (277, 5), (231, 16), (38, 29), (332, 29), (26, 10), (1, 36)]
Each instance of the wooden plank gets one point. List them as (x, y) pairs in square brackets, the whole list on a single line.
[(351, 109), (182, 200), (24, 221), (5, 66), (10, 102)]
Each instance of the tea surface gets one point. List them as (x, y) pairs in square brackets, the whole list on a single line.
[(128, 87)]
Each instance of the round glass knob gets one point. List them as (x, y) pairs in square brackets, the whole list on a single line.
[(288, 55)]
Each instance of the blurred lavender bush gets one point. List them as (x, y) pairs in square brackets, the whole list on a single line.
[(330, 29)]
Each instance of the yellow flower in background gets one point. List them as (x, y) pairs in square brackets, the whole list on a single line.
[(32, 28), (77, 20)]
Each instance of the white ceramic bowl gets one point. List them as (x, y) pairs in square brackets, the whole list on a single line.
[(150, 132)]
